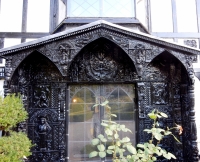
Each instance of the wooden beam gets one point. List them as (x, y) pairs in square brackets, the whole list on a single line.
[(24, 18), (22, 35)]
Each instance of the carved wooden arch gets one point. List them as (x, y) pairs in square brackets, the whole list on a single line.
[(166, 60), (30, 70), (23, 58), (110, 38), (102, 60), (183, 60)]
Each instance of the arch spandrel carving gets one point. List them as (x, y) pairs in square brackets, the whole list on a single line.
[(101, 61)]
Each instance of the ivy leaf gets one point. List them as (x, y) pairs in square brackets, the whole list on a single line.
[(95, 141), (163, 115), (125, 139), (152, 116), (111, 147), (116, 136), (140, 145), (114, 115), (104, 140), (100, 136), (108, 132), (171, 155), (131, 149), (147, 130), (104, 124), (93, 154), (101, 147), (102, 154), (109, 151), (158, 136)]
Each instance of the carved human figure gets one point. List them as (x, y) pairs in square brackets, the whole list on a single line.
[(66, 53), (43, 130), (160, 94), (42, 100)]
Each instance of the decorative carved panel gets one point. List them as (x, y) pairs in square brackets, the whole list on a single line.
[(191, 43), (102, 61), (159, 93), (45, 99)]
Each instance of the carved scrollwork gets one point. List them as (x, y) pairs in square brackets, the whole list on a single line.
[(141, 99), (102, 62), (138, 55), (82, 40), (159, 93), (41, 97), (191, 43)]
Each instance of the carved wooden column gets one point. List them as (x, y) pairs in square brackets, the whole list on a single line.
[(193, 129), (141, 111), (8, 69)]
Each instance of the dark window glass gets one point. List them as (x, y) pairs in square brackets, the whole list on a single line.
[(85, 119)]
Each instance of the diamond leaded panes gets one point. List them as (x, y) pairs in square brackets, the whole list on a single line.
[(100, 8)]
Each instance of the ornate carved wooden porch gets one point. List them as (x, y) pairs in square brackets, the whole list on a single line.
[(102, 53)]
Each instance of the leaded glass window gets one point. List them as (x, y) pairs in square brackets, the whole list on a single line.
[(100, 8), (85, 118)]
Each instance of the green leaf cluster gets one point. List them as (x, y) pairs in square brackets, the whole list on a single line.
[(14, 147), (12, 111), (146, 152)]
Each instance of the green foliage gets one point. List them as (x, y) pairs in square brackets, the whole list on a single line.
[(14, 147), (11, 111), (146, 152)]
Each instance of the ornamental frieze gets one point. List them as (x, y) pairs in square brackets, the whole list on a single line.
[(64, 51)]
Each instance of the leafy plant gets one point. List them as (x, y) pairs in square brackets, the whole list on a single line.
[(14, 146), (12, 111), (147, 152)]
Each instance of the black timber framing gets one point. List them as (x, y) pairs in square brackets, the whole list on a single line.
[(186, 35), (149, 15), (198, 16), (53, 15), (24, 18), (22, 34)]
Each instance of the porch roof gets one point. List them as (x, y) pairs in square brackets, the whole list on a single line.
[(96, 25)]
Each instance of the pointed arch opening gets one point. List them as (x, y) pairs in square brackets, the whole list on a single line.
[(102, 61), (166, 67), (35, 68)]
